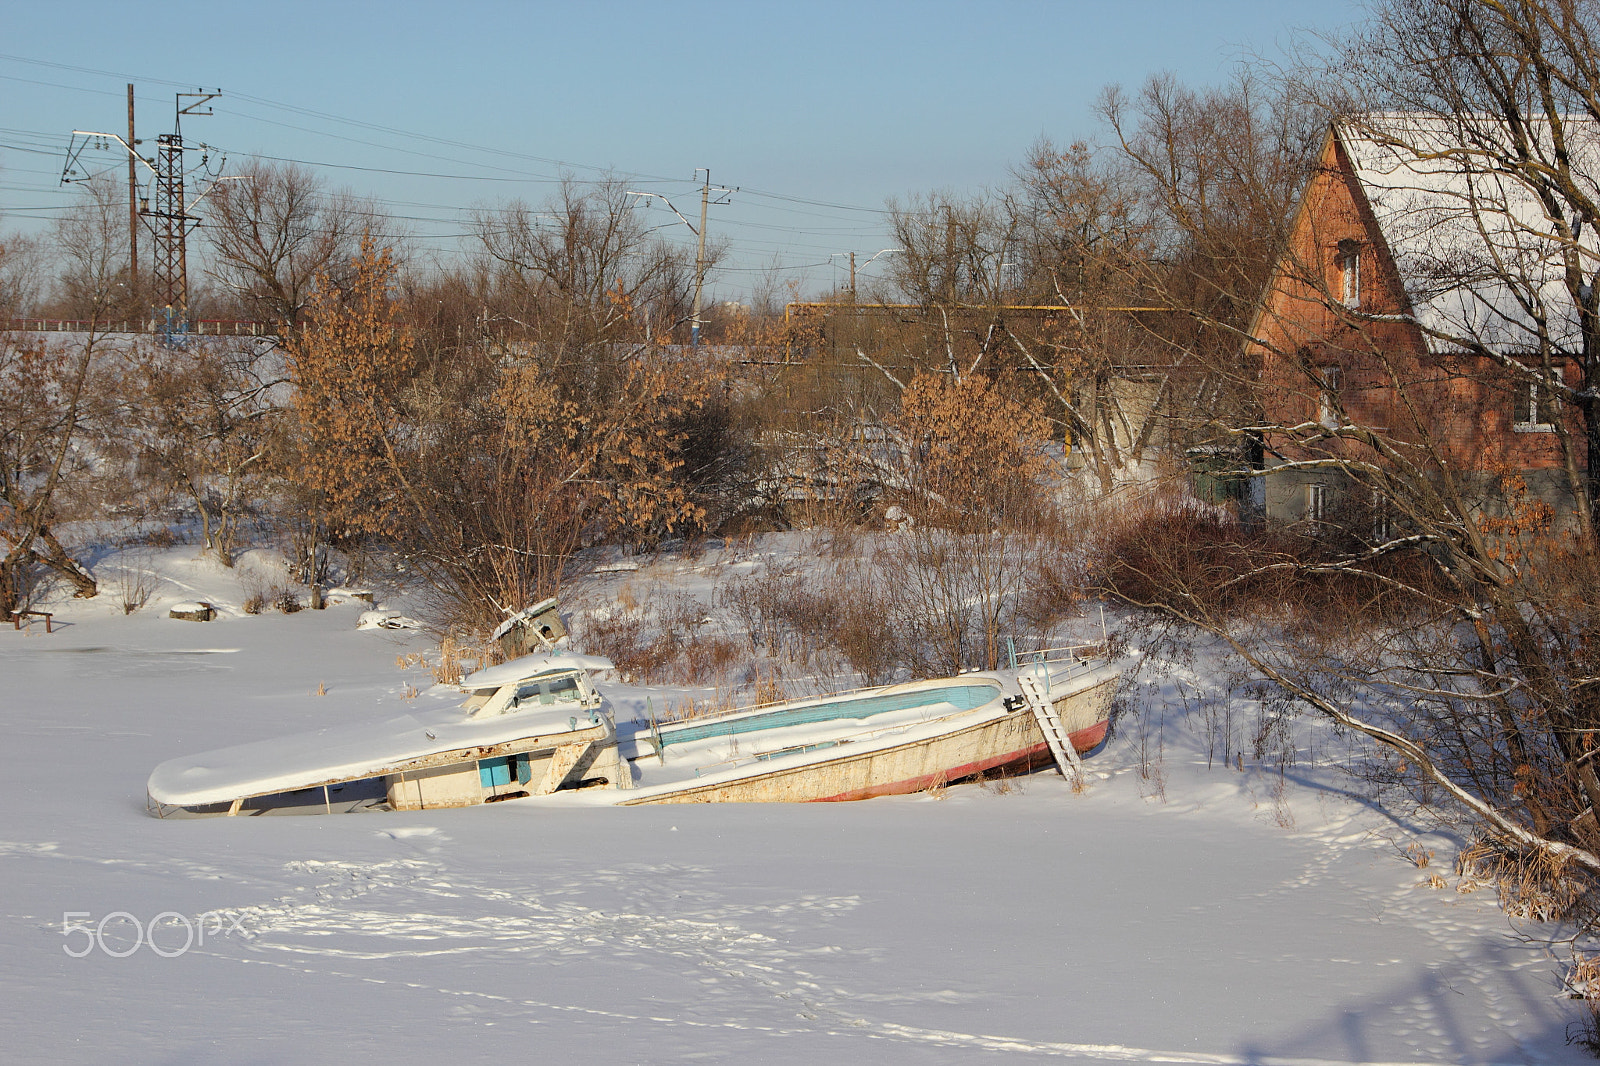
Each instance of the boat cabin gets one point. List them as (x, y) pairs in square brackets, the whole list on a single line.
[(532, 726), (578, 753)]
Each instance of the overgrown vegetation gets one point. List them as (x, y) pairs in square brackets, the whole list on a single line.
[(995, 432)]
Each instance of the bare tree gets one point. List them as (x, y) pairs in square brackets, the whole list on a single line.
[(204, 419), (90, 246), (1424, 309), (953, 251), (584, 268), (47, 396), (21, 274), (274, 229)]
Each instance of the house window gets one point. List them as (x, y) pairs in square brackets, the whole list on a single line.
[(1316, 503), (1328, 397), (1382, 518), (1350, 273), (1536, 403)]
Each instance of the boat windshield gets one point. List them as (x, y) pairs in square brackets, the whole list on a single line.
[(547, 691)]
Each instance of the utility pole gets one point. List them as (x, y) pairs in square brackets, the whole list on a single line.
[(700, 256), (133, 205), (869, 261), (700, 261)]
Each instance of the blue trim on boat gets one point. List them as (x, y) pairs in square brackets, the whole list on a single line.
[(964, 697)]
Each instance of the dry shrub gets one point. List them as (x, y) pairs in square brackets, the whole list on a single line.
[(1058, 586), (160, 537), (972, 458), (1001, 783), (763, 604), (874, 650), (1530, 883), (768, 689), (134, 587), (1583, 983), (841, 612), (1196, 559), (624, 637), (707, 659), (448, 672), (688, 708), (660, 641)]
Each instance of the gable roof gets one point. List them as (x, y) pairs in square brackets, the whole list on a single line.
[(1478, 255)]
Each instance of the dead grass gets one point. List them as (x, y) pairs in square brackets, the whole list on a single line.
[(1417, 855), (134, 586), (1583, 984), (1530, 884), (458, 658)]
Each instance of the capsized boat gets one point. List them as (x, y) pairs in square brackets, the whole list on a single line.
[(537, 730)]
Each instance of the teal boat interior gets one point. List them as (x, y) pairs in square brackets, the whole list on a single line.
[(964, 697)]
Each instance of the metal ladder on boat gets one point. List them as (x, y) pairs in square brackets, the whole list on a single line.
[(1055, 734)]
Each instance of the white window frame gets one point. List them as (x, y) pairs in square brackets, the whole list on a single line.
[(1350, 273), (1382, 518), (1328, 396), (1316, 502), (1525, 416)]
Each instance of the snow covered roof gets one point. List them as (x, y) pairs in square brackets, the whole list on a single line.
[(535, 665), (1474, 246)]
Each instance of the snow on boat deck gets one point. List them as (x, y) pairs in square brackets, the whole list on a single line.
[(284, 764)]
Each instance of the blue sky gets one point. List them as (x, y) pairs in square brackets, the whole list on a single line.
[(817, 111)]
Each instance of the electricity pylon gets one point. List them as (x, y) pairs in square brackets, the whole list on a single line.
[(166, 213)]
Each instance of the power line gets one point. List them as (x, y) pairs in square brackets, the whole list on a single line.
[(413, 135)]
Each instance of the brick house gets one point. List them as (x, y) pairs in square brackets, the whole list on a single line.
[(1419, 304)]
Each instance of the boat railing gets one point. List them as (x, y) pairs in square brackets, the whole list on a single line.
[(1061, 663), (1073, 654)]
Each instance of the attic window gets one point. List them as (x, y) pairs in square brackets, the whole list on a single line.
[(1328, 397), (1536, 404), (1350, 273)]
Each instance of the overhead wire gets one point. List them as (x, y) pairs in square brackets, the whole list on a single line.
[(776, 201)]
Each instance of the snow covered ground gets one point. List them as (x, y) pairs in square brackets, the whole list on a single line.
[(1221, 923)]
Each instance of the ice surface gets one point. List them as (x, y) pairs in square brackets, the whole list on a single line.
[(1243, 919)]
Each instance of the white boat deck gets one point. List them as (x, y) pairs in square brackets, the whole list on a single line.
[(305, 760)]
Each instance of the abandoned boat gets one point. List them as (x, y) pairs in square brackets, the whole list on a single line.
[(537, 730), (532, 726), (878, 742)]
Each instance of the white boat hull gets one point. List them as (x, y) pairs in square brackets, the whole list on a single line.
[(1008, 741)]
